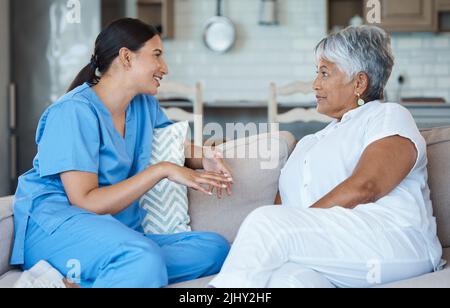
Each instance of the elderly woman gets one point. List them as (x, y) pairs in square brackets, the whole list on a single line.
[(356, 209)]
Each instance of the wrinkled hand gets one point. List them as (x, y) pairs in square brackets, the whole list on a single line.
[(213, 162), (195, 179)]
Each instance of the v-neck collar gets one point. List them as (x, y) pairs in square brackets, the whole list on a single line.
[(102, 107)]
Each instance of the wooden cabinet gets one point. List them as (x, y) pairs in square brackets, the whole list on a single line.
[(443, 8), (339, 13), (159, 13), (112, 10), (396, 15), (443, 5), (408, 15)]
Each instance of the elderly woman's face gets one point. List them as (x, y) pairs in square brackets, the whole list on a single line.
[(335, 93)]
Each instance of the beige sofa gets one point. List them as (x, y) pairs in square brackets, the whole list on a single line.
[(256, 187)]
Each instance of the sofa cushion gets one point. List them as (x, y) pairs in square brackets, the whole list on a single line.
[(9, 279), (6, 233), (434, 280), (193, 284), (439, 279), (438, 141), (255, 185)]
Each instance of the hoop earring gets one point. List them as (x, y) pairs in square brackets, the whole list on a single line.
[(361, 102)]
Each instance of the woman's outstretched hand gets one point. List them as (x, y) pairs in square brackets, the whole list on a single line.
[(195, 179), (213, 162)]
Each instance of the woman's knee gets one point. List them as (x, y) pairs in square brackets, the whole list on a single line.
[(265, 212), (219, 245), (216, 249), (261, 215), (143, 262)]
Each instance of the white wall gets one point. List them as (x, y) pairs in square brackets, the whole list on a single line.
[(285, 53), (262, 53), (425, 60), (4, 81)]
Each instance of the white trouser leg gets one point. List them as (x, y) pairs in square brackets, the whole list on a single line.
[(349, 247), (293, 275)]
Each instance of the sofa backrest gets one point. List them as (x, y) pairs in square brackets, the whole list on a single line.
[(259, 188), (255, 184), (438, 142), (6, 233)]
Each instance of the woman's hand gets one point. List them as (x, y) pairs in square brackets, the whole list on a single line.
[(213, 162), (195, 179)]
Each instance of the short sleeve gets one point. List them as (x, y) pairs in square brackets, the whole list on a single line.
[(394, 120), (68, 139)]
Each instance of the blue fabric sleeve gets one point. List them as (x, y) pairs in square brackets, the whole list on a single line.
[(68, 139)]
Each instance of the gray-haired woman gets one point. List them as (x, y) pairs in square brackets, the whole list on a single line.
[(355, 202)]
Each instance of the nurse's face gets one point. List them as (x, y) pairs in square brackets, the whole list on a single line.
[(334, 92), (149, 67)]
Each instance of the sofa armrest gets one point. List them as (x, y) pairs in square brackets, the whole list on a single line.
[(6, 233), (256, 183)]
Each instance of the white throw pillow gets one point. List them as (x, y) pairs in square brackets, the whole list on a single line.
[(167, 203)]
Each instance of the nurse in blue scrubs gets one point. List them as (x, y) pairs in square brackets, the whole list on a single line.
[(78, 207)]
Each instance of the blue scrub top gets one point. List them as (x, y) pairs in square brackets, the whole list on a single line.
[(77, 133)]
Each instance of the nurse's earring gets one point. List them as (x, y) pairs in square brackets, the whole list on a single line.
[(361, 102)]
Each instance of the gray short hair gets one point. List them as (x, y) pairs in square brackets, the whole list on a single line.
[(360, 49)]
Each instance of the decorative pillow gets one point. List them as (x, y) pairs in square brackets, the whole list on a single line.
[(167, 203)]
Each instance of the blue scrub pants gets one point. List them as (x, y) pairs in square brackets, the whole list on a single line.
[(111, 255)]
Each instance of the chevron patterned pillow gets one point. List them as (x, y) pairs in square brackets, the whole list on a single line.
[(167, 203)]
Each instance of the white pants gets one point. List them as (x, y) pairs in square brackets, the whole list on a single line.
[(290, 247)]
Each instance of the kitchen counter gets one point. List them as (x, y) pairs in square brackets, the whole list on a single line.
[(263, 104), (222, 112)]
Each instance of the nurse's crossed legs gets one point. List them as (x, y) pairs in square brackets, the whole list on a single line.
[(79, 203)]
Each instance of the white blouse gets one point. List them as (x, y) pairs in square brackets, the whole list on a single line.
[(322, 161)]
